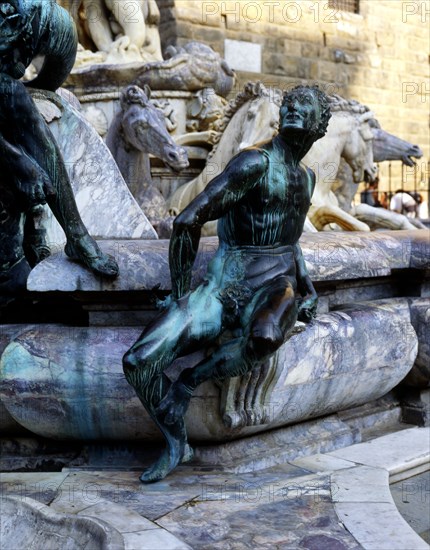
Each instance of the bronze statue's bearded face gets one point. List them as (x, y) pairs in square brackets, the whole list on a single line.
[(300, 111)]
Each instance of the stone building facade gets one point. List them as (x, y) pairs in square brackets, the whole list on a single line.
[(379, 56)]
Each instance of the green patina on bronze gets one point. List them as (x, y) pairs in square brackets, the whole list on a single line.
[(32, 168), (257, 285)]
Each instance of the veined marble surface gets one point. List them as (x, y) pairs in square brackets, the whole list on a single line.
[(104, 201), (330, 256), (67, 382)]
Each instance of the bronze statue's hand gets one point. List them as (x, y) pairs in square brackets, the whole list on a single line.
[(308, 308), (33, 183), (35, 191), (48, 188), (164, 304), (170, 301)]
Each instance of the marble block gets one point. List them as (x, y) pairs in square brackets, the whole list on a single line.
[(66, 382), (104, 201), (243, 56), (330, 256)]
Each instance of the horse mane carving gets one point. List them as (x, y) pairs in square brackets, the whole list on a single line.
[(338, 103), (250, 91)]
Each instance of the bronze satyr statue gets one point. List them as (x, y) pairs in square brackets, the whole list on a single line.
[(256, 286), (32, 168)]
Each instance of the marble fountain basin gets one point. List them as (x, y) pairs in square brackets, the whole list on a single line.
[(26, 523), (66, 382)]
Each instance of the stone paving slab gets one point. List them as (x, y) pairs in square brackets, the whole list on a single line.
[(124, 488), (322, 463), (40, 486), (120, 517), (363, 501), (396, 452), (361, 484), (379, 526), (153, 540)]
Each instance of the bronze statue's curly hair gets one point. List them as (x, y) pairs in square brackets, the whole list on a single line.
[(323, 100)]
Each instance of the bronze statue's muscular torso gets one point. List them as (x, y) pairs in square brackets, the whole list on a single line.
[(274, 210), (261, 200)]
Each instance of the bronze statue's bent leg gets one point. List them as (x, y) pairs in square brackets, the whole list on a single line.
[(266, 327), (171, 335)]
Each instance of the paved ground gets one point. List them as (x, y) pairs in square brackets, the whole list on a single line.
[(335, 501)]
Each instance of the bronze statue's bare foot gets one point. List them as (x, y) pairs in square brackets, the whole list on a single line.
[(159, 469), (167, 462), (175, 403), (84, 249)]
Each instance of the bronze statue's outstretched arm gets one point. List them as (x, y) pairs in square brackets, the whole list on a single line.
[(223, 192), (307, 306), (304, 283)]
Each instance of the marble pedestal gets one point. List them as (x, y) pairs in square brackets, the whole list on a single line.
[(66, 382)]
